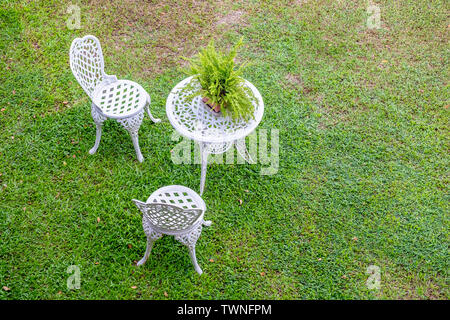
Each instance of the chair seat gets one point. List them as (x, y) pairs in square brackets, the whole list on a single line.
[(120, 99), (179, 196)]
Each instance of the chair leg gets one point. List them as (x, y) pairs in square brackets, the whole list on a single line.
[(194, 259), (152, 236), (189, 240), (98, 119), (150, 243), (132, 125), (135, 139), (147, 107), (97, 139)]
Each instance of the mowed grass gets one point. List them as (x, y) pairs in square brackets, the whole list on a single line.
[(363, 121)]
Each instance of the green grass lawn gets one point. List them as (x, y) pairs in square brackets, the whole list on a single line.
[(363, 172)]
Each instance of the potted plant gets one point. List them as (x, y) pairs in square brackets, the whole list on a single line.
[(222, 88)]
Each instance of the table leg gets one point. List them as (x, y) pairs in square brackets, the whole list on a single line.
[(204, 156), (242, 149)]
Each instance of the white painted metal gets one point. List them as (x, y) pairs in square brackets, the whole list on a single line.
[(122, 100), (173, 210), (193, 120), (215, 134)]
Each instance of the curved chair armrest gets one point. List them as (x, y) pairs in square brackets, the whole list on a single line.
[(108, 79)]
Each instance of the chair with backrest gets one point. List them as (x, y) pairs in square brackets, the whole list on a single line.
[(122, 100), (173, 210)]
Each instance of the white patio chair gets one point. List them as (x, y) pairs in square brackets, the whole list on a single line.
[(173, 210), (122, 100)]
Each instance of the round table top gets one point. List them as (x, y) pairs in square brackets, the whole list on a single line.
[(120, 99), (193, 120)]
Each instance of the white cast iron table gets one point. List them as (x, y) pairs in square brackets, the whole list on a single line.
[(214, 134)]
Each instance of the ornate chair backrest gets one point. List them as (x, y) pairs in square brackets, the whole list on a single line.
[(86, 62), (168, 217)]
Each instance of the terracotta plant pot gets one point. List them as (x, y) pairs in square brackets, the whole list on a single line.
[(214, 108)]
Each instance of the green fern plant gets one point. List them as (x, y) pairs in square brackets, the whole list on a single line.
[(221, 82)]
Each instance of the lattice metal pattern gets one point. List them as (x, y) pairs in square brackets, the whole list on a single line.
[(217, 148), (215, 134), (189, 239), (173, 208), (173, 218), (182, 197), (193, 120), (86, 62), (96, 115), (120, 99), (132, 124)]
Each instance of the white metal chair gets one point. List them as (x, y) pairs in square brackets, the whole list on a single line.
[(122, 100), (173, 210)]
